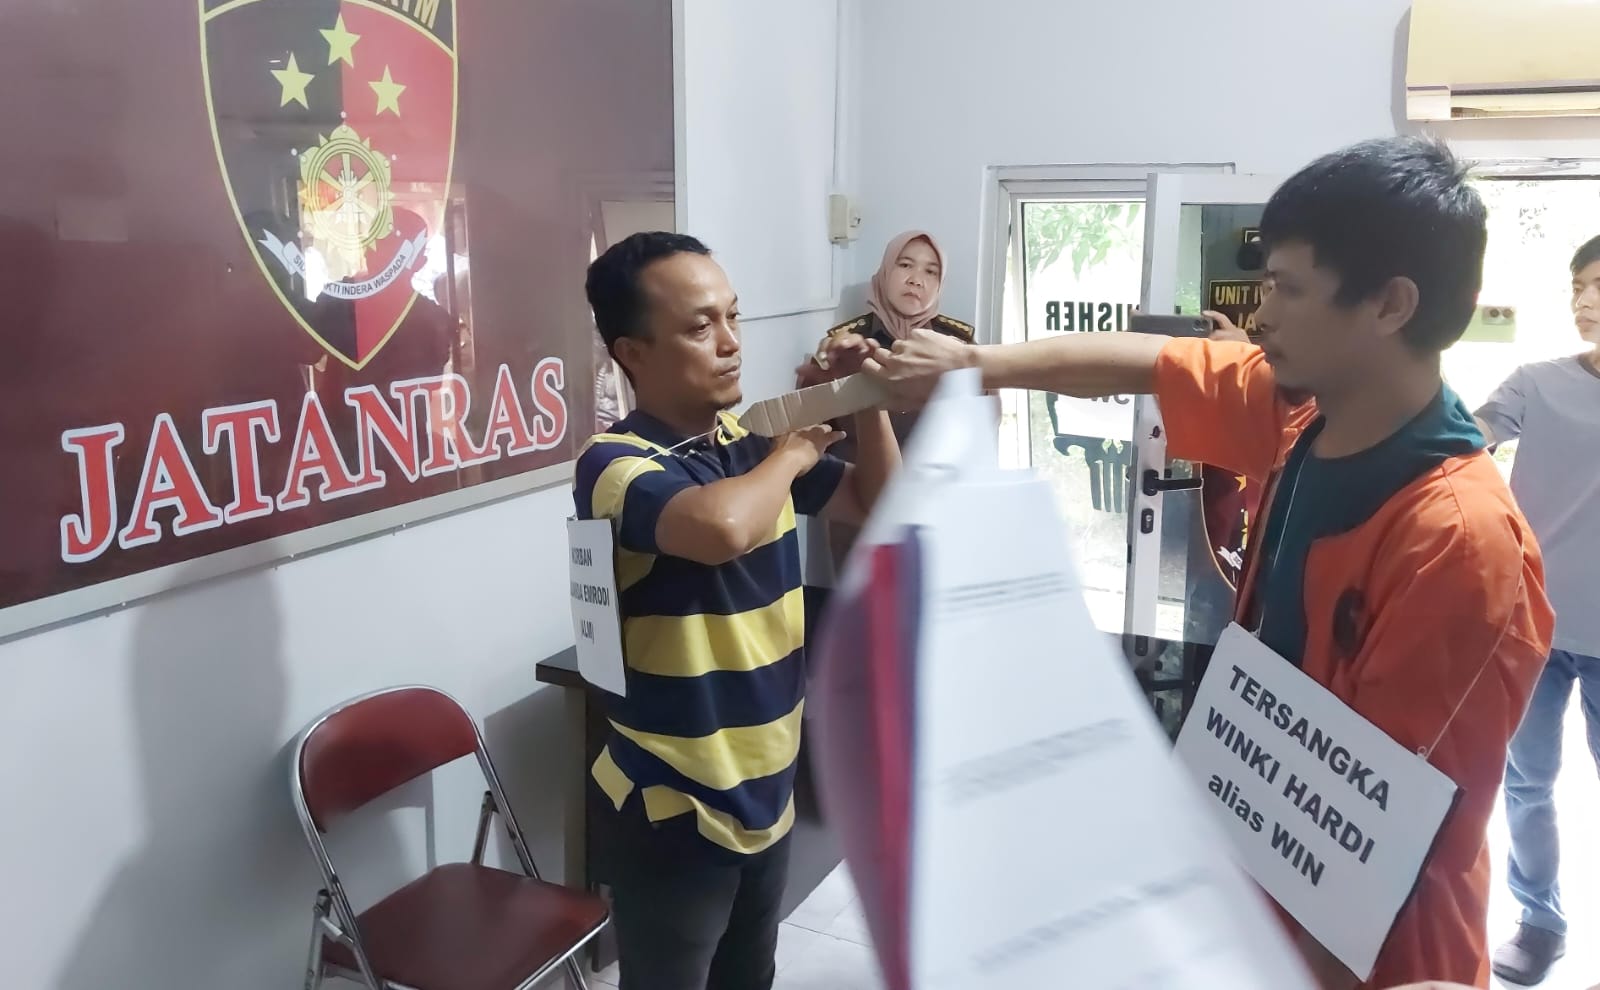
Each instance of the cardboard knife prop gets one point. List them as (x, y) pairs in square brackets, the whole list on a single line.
[(813, 406)]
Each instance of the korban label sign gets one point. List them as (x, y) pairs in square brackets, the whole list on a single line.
[(596, 617)]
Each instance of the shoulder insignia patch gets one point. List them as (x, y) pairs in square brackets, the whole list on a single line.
[(954, 327), (857, 325)]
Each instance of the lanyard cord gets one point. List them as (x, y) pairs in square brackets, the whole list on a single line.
[(1426, 751), (672, 450), (1258, 594), (659, 451), (1522, 582)]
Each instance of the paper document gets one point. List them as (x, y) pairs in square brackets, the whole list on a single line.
[(1053, 839), (596, 617)]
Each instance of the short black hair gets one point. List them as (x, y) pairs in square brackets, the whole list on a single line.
[(1391, 208), (1586, 256), (613, 282)]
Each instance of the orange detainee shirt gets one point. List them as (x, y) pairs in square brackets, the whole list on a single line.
[(1422, 608)]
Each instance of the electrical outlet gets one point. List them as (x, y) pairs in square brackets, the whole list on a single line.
[(844, 219), (1492, 325)]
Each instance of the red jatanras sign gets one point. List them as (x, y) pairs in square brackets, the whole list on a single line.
[(274, 264), (390, 436)]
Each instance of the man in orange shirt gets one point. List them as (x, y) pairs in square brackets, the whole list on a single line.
[(1394, 567)]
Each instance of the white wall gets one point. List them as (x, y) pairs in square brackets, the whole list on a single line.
[(770, 107), (1030, 82), (148, 840), (761, 111), (761, 167)]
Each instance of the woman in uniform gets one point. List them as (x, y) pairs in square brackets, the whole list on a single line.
[(904, 297)]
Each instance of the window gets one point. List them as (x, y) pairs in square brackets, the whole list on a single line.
[(1067, 256), (1079, 271)]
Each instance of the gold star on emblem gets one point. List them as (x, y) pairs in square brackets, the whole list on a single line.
[(341, 43), (293, 83), (388, 93)]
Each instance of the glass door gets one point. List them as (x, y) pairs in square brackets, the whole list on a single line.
[(1074, 266), (1187, 523)]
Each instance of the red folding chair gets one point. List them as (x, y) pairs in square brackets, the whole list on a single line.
[(461, 926)]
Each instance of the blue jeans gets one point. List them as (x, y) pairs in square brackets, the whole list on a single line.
[(1531, 768)]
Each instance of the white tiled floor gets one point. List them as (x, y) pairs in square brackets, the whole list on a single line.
[(824, 944)]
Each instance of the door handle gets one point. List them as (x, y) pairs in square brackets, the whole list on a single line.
[(1155, 484)]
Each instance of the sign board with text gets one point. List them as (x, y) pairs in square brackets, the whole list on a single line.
[(1330, 816), (596, 620), (1237, 299), (1109, 418), (291, 281)]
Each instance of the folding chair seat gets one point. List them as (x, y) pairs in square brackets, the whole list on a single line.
[(460, 926)]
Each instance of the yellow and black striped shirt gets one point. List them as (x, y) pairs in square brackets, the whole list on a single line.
[(715, 655)]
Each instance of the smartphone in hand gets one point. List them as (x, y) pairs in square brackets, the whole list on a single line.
[(1171, 326)]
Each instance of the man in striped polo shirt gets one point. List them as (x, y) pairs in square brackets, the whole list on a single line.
[(700, 762)]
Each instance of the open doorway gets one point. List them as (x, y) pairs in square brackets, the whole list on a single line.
[(1525, 316)]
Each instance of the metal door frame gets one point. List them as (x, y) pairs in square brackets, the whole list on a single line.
[(1169, 193)]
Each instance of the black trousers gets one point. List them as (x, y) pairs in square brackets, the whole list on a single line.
[(695, 922)]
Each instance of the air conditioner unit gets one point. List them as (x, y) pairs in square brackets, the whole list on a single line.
[(1503, 58)]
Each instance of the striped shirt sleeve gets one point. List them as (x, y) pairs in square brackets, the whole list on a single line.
[(623, 482), (813, 490)]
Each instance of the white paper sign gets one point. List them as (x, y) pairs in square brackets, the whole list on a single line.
[(1111, 418), (1330, 816), (1055, 840), (596, 621)]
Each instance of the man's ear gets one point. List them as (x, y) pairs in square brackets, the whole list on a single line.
[(628, 352), (1397, 303)]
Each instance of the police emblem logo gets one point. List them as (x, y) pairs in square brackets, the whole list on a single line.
[(334, 123)]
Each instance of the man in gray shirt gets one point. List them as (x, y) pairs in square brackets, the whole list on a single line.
[(1554, 407)]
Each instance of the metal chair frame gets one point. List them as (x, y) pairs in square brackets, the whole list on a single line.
[(332, 914)]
